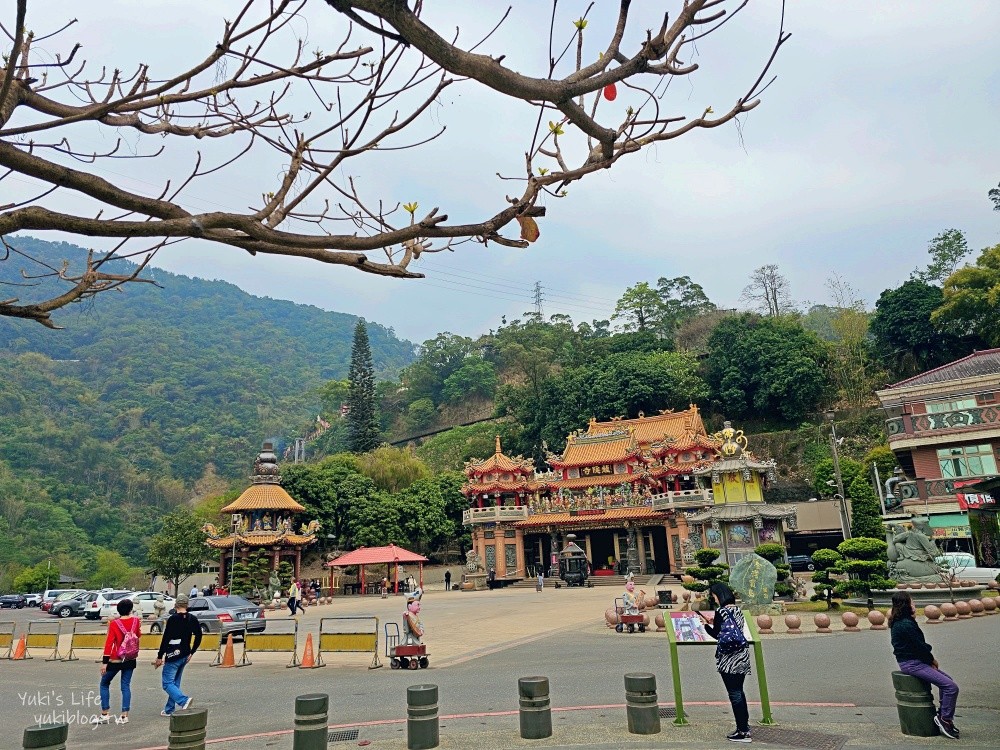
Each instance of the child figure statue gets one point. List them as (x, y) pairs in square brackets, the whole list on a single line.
[(413, 629), (629, 598)]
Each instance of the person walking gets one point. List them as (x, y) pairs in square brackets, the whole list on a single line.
[(121, 649), (732, 654), (293, 598), (447, 580), (541, 580), (913, 655), (176, 650), (194, 592)]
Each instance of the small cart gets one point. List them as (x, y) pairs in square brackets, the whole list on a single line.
[(627, 622), (403, 657)]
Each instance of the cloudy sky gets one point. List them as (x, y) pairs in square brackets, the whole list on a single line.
[(880, 132)]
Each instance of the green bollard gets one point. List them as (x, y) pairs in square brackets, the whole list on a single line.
[(535, 708), (915, 705), (422, 717), (46, 737), (641, 707), (310, 721), (188, 729)]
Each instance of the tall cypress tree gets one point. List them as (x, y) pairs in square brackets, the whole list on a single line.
[(363, 433)]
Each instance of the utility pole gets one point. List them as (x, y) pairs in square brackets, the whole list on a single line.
[(836, 472), (538, 301)]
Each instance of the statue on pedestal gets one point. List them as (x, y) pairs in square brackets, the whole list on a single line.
[(912, 554), (413, 629), (629, 598), (273, 584)]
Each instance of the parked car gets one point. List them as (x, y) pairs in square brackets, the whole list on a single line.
[(223, 615), (144, 601), (963, 567), (95, 609), (33, 599), (50, 596), (72, 606), (801, 562), (13, 601)]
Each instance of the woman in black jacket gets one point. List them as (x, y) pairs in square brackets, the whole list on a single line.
[(913, 654), (732, 662)]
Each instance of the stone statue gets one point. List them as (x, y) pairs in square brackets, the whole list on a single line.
[(629, 598), (413, 629), (273, 584), (912, 554)]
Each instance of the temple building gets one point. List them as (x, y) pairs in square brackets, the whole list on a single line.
[(628, 489), (264, 519)]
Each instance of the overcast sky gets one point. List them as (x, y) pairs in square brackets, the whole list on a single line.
[(881, 131)]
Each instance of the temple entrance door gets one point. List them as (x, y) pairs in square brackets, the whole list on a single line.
[(662, 561), (602, 546)]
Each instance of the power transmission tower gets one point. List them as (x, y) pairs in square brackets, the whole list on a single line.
[(538, 301)]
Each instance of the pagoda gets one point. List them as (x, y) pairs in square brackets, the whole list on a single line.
[(739, 519), (264, 518)]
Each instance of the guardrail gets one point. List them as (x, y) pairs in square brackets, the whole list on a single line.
[(501, 513), (40, 635), (7, 637), (273, 642), (348, 635)]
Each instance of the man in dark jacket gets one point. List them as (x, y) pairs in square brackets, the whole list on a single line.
[(176, 650)]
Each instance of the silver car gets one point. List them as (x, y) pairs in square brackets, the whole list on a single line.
[(223, 615)]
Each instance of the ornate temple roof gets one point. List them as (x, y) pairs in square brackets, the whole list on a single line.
[(735, 458), (266, 492), (596, 480), (499, 463), (591, 518), (261, 539), (589, 448), (489, 487), (743, 512), (668, 424)]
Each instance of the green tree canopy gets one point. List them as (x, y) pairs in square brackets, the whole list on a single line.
[(392, 469), (328, 490), (972, 298), (178, 549), (765, 365), (37, 578), (476, 378), (866, 516), (362, 420), (947, 252), (640, 309)]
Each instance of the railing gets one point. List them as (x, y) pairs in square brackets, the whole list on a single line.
[(910, 425), (502, 513), (921, 489), (667, 500)]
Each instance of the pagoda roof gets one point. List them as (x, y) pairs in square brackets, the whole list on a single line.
[(523, 485), (730, 465), (687, 441), (263, 497), (375, 555), (597, 480), (668, 424), (592, 518), (498, 462), (610, 446), (744, 512), (261, 539)]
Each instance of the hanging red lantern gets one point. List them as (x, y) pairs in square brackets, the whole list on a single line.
[(610, 92)]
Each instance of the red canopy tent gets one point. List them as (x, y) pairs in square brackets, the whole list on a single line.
[(378, 555)]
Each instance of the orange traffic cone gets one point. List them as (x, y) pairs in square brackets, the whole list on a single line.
[(21, 649), (228, 658), (308, 660)]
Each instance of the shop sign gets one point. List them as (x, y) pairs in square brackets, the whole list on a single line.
[(973, 500)]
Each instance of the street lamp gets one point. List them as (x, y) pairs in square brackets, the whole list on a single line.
[(48, 570), (834, 444)]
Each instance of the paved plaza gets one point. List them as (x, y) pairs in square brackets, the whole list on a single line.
[(835, 688)]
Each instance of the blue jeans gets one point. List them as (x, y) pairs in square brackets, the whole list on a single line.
[(946, 685), (172, 672), (126, 685), (738, 699)]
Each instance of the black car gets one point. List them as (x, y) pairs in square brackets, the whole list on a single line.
[(801, 562), (13, 601)]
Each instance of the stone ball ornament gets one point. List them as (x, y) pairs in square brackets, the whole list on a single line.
[(949, 610), (978, 610), (876, 620), (822, 622), (850, 620), (765, 624), (933, 614), (964, 610), (794, 624)]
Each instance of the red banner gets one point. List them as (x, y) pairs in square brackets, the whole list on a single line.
[(973, 500)]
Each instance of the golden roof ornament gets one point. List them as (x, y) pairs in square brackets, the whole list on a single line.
[(734, 442)]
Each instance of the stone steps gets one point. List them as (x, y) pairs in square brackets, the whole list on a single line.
[(650, 582)]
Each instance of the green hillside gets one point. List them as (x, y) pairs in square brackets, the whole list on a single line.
[(113, 420)]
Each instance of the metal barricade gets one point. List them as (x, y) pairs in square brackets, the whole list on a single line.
[(7, 638), (273, 642), (85, 637), (42, 635), (349, 635)]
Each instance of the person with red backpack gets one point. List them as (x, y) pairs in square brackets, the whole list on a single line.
[(121, 649)]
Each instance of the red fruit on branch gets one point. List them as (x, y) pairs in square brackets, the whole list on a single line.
[(610, 92)]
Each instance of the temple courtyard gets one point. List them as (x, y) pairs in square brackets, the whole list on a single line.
[(826, 691)]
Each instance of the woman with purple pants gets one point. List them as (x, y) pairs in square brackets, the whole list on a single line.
[(913, 654)]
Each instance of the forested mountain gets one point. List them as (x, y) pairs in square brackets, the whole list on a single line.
[(115, 418)]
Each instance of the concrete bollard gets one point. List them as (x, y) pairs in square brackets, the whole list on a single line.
[(641, 707), (188, 729), (310, 721), (46, 737), (915, 705), (535, 708), (422, 732)]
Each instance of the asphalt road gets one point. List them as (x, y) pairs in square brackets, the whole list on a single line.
[(584, 662)]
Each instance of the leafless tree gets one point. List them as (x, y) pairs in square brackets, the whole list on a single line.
[(768, 291), (371, 93)]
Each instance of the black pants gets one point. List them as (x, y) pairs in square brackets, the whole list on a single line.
[(734, 687)]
